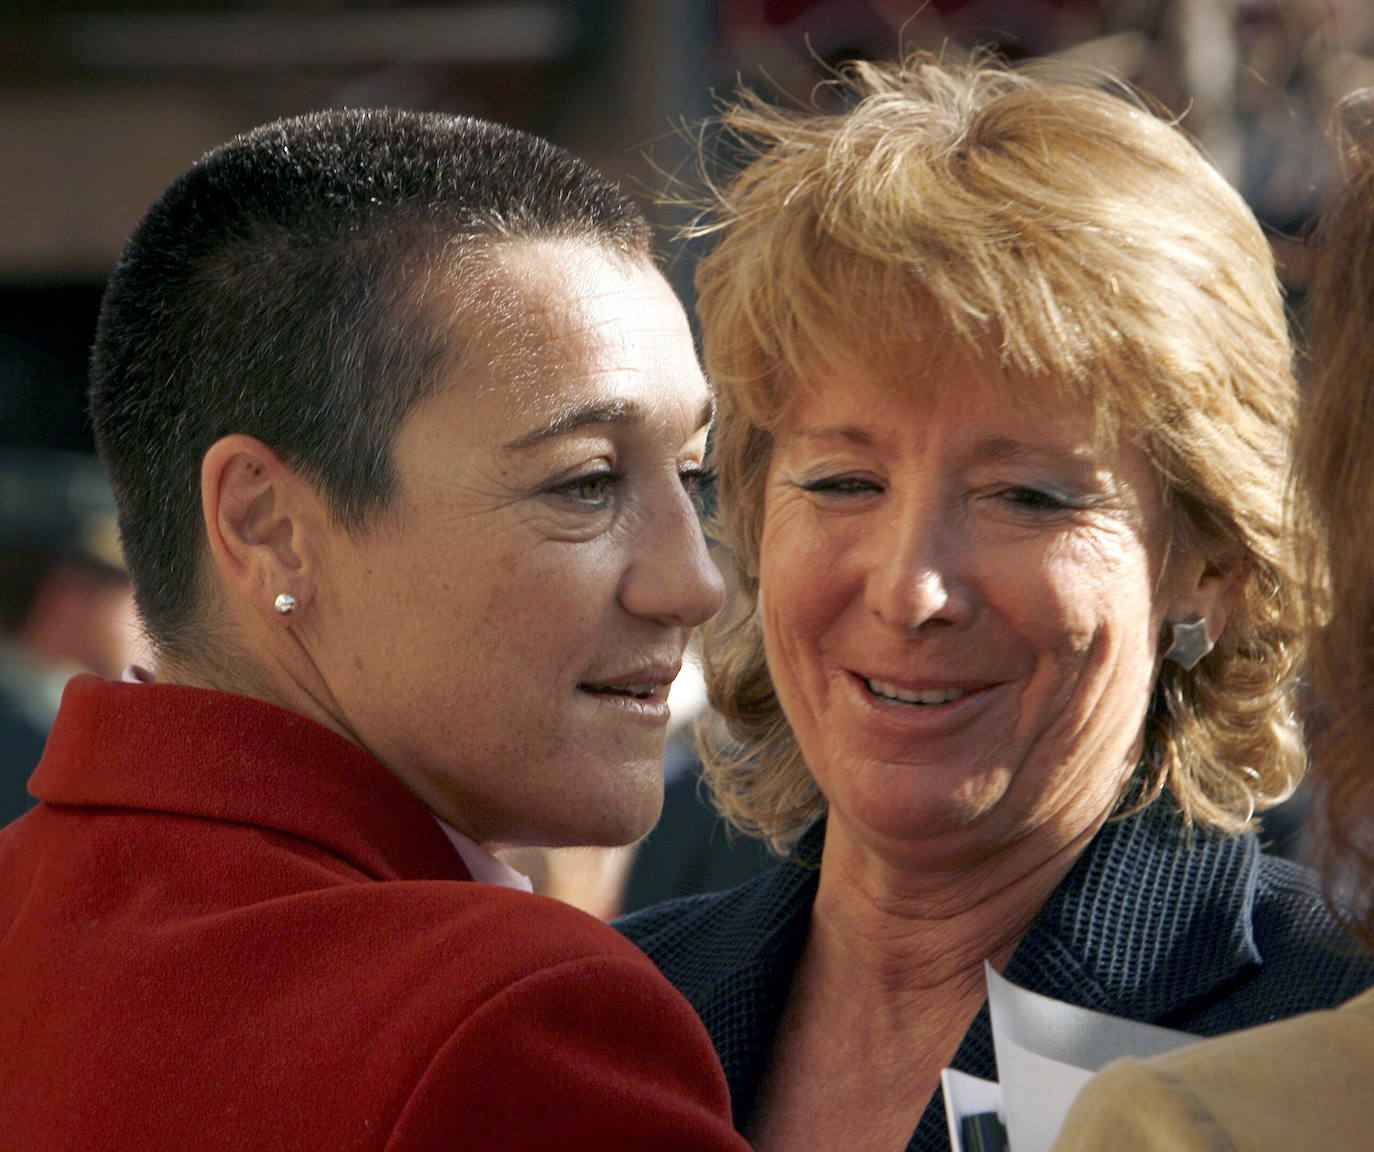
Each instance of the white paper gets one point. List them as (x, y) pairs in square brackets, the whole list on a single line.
[(1047, 1050), (1037, 1093), (966, 1095)]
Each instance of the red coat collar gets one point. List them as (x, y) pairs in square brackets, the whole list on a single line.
[(217, 756)]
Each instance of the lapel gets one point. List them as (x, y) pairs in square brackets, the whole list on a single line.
[(218, 756), (1148, 921), (1140, 928)]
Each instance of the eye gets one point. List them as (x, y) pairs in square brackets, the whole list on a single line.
[(842, 485), (700, 484), (1032, 499), (592, 491)]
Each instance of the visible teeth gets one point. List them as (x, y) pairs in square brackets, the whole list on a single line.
[(934, 696), (625, 689)]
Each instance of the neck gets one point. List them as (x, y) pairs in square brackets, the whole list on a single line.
[(890, 979), (285, 675), (226, 666), (903, 935)]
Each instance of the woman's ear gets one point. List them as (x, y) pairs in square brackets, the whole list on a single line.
[(257, 510), (1204, 591)]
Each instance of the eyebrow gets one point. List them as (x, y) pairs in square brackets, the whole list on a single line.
[(595, 412), (852, 433), (998, 448), (994, 449)]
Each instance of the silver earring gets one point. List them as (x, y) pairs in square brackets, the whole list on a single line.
[(285, 604), (1188, 642)]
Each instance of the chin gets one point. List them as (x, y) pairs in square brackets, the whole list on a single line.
[(930, 822), (622, 818), (616, 829)]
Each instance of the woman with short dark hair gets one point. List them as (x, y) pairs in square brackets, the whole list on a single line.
[(404, 429)]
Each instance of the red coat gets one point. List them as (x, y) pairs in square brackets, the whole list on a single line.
[(228, 928)]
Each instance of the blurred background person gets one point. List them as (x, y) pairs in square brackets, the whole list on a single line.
[(1005, 396), (1303, 1083), (65, 601)]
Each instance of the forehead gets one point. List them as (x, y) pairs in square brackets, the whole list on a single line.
[(550, 315), (951, 389), (552, 337)]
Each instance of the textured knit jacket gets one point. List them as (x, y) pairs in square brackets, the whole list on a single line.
[(1207, 938), (225, 928)]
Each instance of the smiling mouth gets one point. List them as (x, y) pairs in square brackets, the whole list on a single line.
[(919, 698), (633, 691)]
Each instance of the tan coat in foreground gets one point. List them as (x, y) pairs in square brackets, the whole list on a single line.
[(1302, 1083)]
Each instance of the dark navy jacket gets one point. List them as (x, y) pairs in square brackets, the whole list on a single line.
[(1205, 938)]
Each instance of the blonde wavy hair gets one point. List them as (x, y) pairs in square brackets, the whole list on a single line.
[(1334, 512), (1064, 232)]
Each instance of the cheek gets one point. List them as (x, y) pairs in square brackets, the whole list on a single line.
[(799, 592), (1099, 592), (804, 596), (801, 571), (1096, 661), (547, 604)]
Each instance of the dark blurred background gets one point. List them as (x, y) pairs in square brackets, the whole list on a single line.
[(103, 102)]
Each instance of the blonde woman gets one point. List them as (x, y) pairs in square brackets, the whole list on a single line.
[(1302, 1083), (1005, 402)]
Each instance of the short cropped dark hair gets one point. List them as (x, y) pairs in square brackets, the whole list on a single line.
[(278, 289)]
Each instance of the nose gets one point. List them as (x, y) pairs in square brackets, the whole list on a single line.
[(671, 577), (916, 572)]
